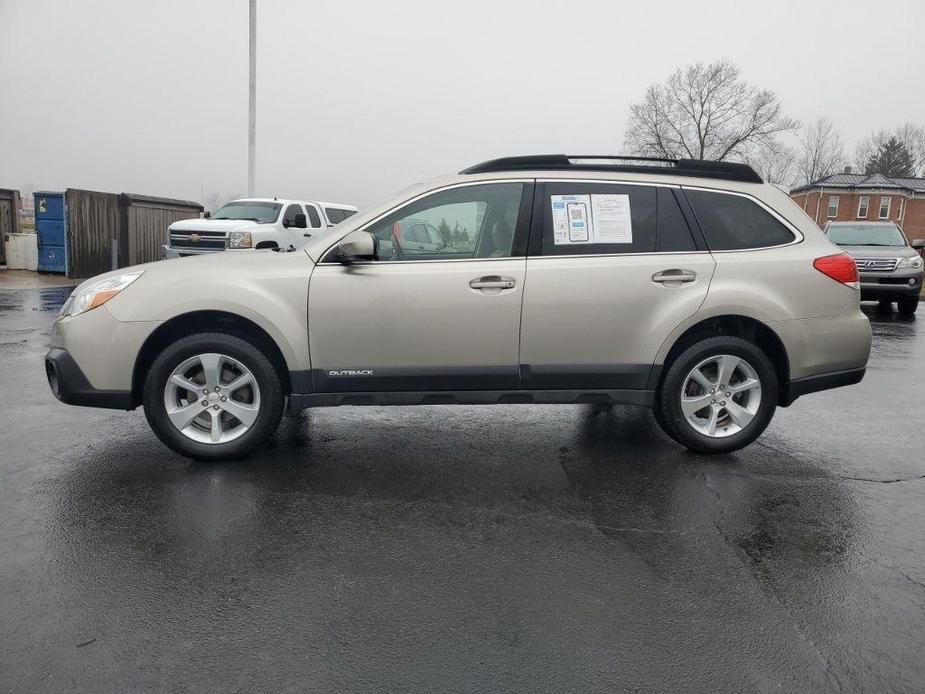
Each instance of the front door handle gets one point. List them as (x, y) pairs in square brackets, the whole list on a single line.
[(674, 277), (493, 282)]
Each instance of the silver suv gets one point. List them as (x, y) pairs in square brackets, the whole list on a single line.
[(890, 267), (689, 287)]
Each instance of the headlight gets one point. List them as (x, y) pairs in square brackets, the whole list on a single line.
[(913, 261), (98, 293), (239, 239)]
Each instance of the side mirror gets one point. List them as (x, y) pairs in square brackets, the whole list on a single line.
[(300, 222), (206, 214), (918, 244), (356, 246)]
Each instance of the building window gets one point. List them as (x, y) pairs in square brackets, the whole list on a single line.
[(885, 207), (863, 204), (833, 206)]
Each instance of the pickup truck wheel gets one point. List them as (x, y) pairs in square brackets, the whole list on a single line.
[(718, 395), (213, 396), (907, 305)]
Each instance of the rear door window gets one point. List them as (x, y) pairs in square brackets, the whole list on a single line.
[(734, 222), (606, 218), (314, 219)]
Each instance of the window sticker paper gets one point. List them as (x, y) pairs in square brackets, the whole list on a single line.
[(571, 220), (587, 219), (612, 220)]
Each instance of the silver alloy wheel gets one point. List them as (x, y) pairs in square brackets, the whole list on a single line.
[(721, 395), (212, 398)]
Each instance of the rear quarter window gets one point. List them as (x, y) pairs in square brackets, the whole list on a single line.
[(733, 222)]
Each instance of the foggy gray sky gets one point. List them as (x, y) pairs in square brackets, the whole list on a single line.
[(358, 99)]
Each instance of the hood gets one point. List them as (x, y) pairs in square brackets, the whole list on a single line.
[(256, 262), (214, 225), (878, 251)]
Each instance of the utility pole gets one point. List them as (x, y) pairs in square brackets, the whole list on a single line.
[(252, 105)]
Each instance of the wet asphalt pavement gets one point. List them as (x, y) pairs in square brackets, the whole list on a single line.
[(464, 549)]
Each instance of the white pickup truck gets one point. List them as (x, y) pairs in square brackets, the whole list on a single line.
[(253, 224)]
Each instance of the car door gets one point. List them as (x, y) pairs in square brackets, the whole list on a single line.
[(427, 319), (614, 269)]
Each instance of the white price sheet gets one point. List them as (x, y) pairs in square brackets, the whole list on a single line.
[(585, 219)]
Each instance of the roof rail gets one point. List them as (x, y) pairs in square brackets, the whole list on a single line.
[(700, 168)]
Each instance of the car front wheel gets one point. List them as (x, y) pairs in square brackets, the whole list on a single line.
[(718, 395), (213, 396)]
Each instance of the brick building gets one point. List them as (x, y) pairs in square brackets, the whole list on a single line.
[(846, 197)]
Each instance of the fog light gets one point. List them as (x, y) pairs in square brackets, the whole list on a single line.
[(912, 281)]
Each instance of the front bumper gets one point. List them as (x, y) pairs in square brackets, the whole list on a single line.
[(170, 252), (92, 358), (69, 384), (878, 285)]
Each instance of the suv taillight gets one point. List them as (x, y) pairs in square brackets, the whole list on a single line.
[(840, 267)]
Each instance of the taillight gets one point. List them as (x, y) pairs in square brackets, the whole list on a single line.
[(840, 267)]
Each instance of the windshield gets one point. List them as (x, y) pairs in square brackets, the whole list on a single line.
[(865, 235), (260, 212)]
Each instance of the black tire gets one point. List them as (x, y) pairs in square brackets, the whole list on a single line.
[(885, 305), (907, 305), (668, 403), (272, 396)]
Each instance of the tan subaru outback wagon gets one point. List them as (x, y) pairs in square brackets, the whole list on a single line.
[(689, 287)]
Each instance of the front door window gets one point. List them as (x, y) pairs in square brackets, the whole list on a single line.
[(469, 222)]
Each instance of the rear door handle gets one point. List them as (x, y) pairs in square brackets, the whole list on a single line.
[(674, 276), (493, 282)]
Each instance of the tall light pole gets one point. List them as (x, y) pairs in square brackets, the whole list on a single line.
[(252, 105)]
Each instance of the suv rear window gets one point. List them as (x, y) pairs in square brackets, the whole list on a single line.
[(733, 222), (607, 218), (335, 216)]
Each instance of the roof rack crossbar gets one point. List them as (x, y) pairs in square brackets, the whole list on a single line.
[(700, 168)]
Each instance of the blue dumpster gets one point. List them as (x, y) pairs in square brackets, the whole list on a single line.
[(51, 231)]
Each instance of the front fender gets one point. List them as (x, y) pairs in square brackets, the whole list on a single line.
[(274, 295)]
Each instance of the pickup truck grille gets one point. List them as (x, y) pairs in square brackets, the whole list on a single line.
[(202, 240), (876, 264)]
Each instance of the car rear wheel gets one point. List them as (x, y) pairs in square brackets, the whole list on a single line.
[(908, 305), (213, 396), (718, 395)]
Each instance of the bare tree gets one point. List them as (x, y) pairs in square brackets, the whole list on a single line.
[(822, 151), (777, 165), (212, 201), (910, 135), (706, 112)]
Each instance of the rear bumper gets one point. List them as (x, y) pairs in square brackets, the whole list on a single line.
[(69, 384), (813, 384)]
